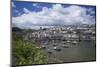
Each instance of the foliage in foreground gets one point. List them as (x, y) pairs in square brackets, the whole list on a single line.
[(25, 52)]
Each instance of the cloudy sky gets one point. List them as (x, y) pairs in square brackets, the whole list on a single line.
[(30, 14)]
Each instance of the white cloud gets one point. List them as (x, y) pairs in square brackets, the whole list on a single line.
[(57, 15), (16, 11), (34, 4), (13, 5), (26, 10)]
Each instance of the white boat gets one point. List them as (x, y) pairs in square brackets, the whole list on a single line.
[(65, 46), (57, 49)]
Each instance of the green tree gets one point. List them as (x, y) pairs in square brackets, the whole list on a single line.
[(26, 52)]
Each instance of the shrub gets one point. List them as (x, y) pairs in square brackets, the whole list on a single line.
[(25, 52)]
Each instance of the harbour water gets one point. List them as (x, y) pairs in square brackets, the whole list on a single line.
[(83, 51)]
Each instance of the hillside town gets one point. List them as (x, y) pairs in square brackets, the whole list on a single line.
[(56, 37)]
